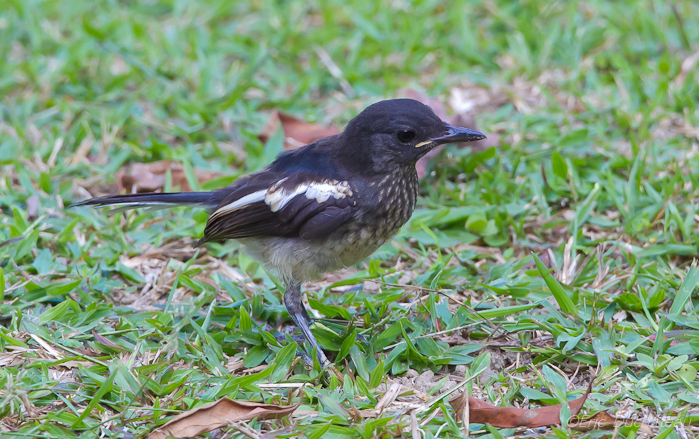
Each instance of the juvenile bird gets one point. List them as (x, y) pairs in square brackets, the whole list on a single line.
[(324, 206)]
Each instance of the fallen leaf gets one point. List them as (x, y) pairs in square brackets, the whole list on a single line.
[(219, 414), (480, 412), (645, 431), (414, 429), (32, 206), (598, 421), (390, 396), (458, 119), (150, 177), (74, 364), (234, 364), (686, 67), (103, 340), (296, 131)]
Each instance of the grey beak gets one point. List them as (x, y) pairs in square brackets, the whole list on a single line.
[(458, 135)]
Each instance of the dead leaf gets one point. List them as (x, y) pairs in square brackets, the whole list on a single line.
[(645, 431), (219, 414), (75, 364), (103, 340), (597, 421), (480, 412), (687, 66), (390, 396), (414, 429), (296, 131), (234, 364), (32, 206), (150, 177)]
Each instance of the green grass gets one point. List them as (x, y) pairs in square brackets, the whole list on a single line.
[(596, 159)]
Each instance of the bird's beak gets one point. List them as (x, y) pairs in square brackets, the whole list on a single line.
[(453, 135)]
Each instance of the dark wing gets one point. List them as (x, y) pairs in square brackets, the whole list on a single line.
[(273, 204)]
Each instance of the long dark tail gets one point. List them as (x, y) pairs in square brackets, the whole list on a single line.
[(153, 199)]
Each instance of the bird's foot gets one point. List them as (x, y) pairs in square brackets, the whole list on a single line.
[(307, 359), (294, 304), (281, 338)]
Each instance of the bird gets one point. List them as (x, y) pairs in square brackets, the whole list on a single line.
[(324, 206)]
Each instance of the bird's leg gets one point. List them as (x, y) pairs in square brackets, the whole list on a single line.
[(294, 304)]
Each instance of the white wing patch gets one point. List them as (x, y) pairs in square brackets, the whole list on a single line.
[(277, 197), (240, 203)]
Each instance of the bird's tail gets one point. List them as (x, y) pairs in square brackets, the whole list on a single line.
[(153, 200)]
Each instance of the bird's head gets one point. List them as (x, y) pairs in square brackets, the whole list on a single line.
[(396, 133)]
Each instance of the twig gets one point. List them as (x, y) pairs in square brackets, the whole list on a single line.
[(446, 331), (280, 385), (680, 22), (414, 427), (242, 428), (334, 71), (467, 413), (435, 400)]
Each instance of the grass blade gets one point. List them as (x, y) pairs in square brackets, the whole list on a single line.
[(105, 388), (564, 301), (685, 291)]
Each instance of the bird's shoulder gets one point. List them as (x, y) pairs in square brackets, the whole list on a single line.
[(318, 158)]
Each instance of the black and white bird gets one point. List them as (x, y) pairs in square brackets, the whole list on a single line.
[(324, 206)]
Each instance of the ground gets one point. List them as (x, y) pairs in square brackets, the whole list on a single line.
[(557, 253)]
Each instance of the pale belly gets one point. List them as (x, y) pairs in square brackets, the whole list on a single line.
[(296, 260)]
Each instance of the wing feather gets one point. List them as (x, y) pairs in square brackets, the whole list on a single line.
[(298, 205), (325, 222)]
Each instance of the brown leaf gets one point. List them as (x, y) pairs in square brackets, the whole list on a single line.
[(296, 131), (458, 119), (103, 340), (645, 431), (32, 206), (598, 421), (218, 414), (150, 177), (480, 412), (687, 66)]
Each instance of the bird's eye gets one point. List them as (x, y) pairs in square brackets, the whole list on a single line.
[(405, 136)]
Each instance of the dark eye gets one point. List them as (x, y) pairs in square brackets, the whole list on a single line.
[(405, 136)]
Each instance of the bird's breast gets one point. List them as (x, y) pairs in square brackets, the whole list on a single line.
[(393, 201), (395, 198)]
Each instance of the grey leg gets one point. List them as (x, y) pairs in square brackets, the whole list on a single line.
[(294, 304)]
